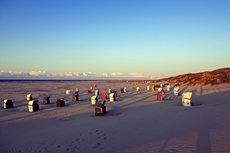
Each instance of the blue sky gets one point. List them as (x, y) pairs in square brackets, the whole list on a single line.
[(113, 38)]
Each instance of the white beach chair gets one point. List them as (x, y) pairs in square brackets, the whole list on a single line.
[(161, 85), (29, 97), (176, 91), (8, 103), (168, 87), (112, 97), (148, 87), (138, 89), (96, 92), (33, 105), (186, 99), (67, 92), (94, 99)]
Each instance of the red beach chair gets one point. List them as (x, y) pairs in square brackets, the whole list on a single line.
[(89, 91), (159, 95), (60, 102), (104, 96), (100, 108)]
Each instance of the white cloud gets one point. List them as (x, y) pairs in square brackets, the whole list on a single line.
[(92, 73), (17, 72), (38, 73), (127, 75), (150, 76), (131, 75), (117, 74), (139, 75), (63, 74), (9, 74), (3, 73), (80, 75), (68, 74), (104, 74), (75, 73)]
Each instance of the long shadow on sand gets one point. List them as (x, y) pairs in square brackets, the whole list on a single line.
[(203, 142)]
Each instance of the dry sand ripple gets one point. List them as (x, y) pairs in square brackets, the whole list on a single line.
[(136, 122)]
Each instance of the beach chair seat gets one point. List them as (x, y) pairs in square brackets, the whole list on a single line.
[(94, 99), (138, 89), (186, 99), (46, 100), (100, 108), (159, 89), (8, 103), (60, 102), (33, 105)]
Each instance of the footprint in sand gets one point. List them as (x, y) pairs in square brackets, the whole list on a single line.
[(101, 138)]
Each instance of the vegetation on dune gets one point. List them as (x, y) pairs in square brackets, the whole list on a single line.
[(203, 78), (191, 79)]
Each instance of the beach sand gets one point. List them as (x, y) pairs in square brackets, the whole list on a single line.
[(135, 122)]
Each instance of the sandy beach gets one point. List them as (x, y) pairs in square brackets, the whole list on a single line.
[(135, 122)]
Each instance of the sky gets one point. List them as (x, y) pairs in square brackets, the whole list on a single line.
[(112, 39)]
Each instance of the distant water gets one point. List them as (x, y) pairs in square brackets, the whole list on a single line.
[(5, 80)]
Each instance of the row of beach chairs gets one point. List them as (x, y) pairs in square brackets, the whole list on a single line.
[(100, 105)]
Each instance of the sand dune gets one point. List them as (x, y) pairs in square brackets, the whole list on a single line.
[(136, 122)]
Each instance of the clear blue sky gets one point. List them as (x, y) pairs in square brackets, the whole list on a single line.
[(167, 37)]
